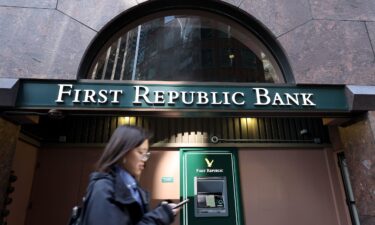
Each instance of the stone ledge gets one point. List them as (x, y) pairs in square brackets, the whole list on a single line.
[(8, 92), (361, 98)]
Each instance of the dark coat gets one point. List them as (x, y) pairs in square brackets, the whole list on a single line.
[(111, 203)]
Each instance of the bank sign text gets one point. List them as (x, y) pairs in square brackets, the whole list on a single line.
[(143, 95), (195, 97)]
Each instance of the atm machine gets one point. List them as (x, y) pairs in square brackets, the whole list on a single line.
[(210, 180), (210, 196)]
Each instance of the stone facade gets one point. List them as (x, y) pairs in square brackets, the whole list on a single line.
[(327, 42), (336, 52), (32, 48), (359, 147), (8, 139)]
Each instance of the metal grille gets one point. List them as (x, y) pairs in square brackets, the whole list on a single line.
[(81, 129)]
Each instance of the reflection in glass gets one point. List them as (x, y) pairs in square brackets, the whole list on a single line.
[(185, 48)]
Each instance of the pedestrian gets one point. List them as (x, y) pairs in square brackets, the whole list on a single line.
[(116, 198)]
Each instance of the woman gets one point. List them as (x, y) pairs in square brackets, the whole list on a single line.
[(115, 197)]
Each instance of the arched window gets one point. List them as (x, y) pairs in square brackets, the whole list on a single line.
[(185, 45)]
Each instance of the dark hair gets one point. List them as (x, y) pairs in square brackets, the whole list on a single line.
[(123, 139)]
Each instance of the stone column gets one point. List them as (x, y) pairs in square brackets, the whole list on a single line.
[(8, 138), (359, 146)]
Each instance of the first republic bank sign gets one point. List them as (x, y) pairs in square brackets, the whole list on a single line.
[(206, 96)]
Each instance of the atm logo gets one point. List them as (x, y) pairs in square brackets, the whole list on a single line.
[(209, 163)]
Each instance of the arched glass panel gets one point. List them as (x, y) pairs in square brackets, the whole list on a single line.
[(194, 46)]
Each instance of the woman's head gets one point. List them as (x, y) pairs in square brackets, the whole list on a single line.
[(134, 161), (123, 144)]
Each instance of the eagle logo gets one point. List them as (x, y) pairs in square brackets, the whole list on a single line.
[(209, 163)]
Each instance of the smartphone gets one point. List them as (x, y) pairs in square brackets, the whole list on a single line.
[(181, 203)]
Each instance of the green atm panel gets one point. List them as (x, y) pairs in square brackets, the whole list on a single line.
[(209, 178)]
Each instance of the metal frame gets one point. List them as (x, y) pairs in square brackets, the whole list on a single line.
[(350, 201)]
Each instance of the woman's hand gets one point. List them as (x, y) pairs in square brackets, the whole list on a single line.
[(172, 206), (174, 210)]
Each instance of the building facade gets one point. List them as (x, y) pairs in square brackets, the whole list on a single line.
[(308, 46)]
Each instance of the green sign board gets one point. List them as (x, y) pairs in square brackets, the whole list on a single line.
[(209, 179), (180, 96)]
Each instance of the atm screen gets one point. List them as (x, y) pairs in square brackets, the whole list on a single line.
[(210, 196), (210, 200)]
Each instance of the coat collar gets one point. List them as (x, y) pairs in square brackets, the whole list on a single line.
[(121, 193)]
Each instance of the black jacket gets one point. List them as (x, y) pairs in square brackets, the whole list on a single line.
[(111, 203)]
